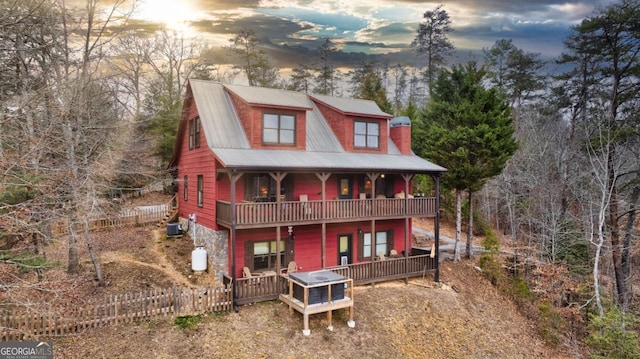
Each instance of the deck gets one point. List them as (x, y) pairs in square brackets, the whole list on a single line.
[(257, 289), (306, 303), (274, 214)]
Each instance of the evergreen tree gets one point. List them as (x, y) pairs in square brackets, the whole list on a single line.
[(367, 84), (253, 60), (468, 129), (432, 41)]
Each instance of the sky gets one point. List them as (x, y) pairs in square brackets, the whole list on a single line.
[(293, 30)]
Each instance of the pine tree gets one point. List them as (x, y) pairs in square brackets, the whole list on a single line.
[(468, 129)]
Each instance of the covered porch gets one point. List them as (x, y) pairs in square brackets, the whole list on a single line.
[(270, 286)]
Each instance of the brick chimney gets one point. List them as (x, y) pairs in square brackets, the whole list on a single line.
[(400, 133)]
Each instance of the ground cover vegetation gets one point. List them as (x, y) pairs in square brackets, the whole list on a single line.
[(89, 114)]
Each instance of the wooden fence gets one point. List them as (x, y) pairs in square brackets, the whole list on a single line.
[(172, 302), (127, 217)]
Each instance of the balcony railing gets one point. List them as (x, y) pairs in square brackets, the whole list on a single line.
[(260, 214)]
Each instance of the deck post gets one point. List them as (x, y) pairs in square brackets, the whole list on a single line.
[(407, 225), (437, 229), (233, 178)]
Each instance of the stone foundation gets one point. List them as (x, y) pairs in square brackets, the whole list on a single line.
[(214, 242)]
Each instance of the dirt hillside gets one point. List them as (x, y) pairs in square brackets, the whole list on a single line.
[(393, 320), (462, 317)]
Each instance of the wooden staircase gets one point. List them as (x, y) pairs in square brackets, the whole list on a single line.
[(172, 213)]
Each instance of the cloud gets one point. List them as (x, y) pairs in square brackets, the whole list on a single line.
[(383, 29)]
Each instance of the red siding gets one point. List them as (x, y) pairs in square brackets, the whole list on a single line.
[(194, 162), (251, 120), (401, 136), (308, 242), (342, 127)]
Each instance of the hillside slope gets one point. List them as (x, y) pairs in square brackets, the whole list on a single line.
[(393, 320)]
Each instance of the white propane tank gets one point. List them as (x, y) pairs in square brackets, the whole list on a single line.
[(199, 259)]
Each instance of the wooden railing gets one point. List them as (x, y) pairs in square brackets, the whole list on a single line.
[(127, 217), (256, 289), (255, 214), (127, 308)]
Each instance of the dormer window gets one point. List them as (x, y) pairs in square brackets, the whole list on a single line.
[(366, 134), (278, 129)]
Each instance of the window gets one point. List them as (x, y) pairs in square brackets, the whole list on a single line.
[(262, 255), (261, 187), (381, 243), (197, 134), (185, 188), (194, 133), (278, 129), (366, 134), (200, 191), (366, 245), (368, 249)]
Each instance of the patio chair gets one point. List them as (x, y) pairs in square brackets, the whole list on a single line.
[(291, 268), (246, 273), (306, 208)]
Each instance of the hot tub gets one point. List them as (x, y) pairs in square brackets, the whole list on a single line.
[(320, 293)]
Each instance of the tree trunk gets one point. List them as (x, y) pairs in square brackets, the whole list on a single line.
[(74, 263), (596, 267), (626, 253), (470, 227), (616, 245), (456, 250)]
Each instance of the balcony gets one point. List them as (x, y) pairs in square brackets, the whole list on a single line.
[(273, 214)]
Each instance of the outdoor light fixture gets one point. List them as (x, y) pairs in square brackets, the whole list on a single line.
[(290, 230)]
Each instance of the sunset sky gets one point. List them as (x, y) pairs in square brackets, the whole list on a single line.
[(294, 29)]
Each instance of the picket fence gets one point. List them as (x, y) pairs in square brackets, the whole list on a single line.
[(127, 308)]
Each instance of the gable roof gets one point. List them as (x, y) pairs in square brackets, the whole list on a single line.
[(228, 141)]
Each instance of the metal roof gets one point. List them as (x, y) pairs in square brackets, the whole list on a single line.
[(269, 97), (352, 105), (400, 121), (228, 141), (218, 116), (322, 161)]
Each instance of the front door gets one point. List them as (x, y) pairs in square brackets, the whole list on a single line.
[(344, 249)]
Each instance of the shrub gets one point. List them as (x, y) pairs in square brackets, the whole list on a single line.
[(188, 321), (613, 335), (491, 242), (551, 325), (489, 261), (26, 262)]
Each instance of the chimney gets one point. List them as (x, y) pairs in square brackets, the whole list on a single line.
[(400, 133)]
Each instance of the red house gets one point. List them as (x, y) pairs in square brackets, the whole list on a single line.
[(275, 177)]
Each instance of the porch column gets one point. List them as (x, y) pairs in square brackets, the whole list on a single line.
[(407, 225), (278, 177), (373, 177), (437, 228), (323, 177), (233, 179)]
